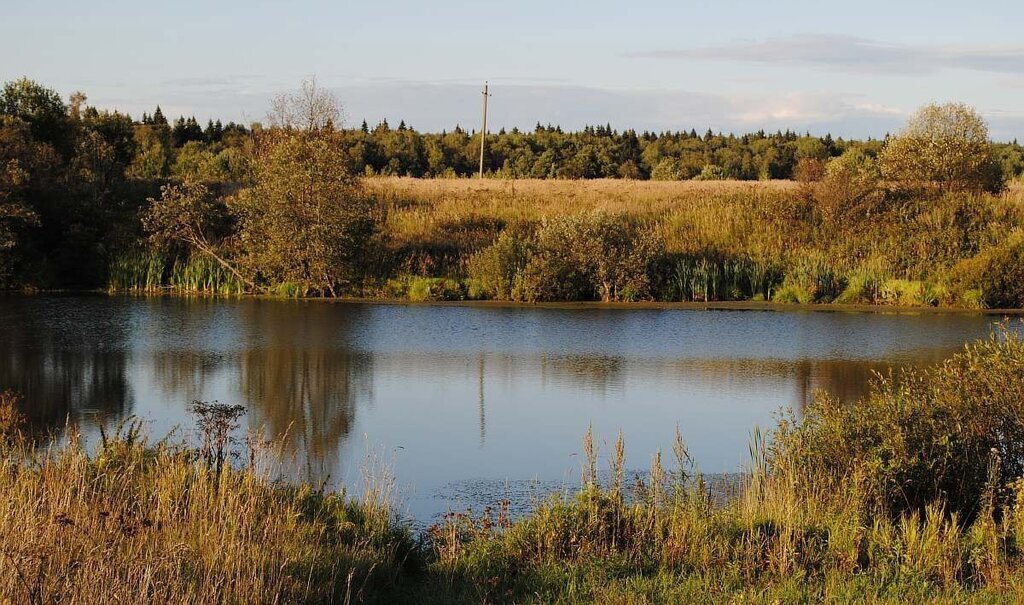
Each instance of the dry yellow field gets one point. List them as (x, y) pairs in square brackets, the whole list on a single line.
[(468, 213), (552, 197)]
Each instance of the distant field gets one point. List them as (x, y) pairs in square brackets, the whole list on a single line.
[(885, 248), (551, 196), (466, 214)]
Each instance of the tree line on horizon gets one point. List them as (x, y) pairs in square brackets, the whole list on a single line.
[(184, 148)]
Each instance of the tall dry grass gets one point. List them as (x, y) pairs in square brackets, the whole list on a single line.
[(435, 210), (140, 522)]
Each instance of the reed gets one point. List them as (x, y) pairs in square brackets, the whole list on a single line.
[(137, 270), (704, 278), (199, 274), (145, 270)]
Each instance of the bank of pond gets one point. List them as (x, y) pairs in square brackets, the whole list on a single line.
[(758, 244)]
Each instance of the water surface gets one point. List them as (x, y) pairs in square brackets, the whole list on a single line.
[(468, 403)]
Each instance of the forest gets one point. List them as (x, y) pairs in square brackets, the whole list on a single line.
[(297, 205)]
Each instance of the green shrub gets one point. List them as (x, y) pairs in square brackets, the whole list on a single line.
[(495, 270), (590, 256), (864, 284), (423, 289), (710, 172), (996, 272), (290, 290), (972, 299), (907, 292), (810, 278), (926, 436)]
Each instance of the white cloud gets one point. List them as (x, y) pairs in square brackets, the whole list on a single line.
[(854, 54)]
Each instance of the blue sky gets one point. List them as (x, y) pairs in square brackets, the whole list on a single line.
[(855, 69)]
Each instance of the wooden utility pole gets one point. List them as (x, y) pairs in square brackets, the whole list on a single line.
[(483, 131)]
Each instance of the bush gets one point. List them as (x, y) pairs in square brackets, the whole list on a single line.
[(588, 256), (710, 172), (810, 279), (495, 270), (849, 189), (864, 284), (995, 275), (424, 289), (668, 170), (928, 436), (906, 292)]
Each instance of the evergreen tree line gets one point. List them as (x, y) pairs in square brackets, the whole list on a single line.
[(543, 153)]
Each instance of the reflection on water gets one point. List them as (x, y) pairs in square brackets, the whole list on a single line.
[(461, 397)]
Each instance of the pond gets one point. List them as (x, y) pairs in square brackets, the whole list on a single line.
[(467, 404)]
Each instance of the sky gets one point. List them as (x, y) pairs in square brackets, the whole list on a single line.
[(855, 69)]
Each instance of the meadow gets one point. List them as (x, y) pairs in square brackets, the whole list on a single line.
[(779, 241), (914, 494)]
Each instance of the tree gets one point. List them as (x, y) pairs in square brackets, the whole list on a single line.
[(28, 169), (588, 256), (310, 109), (946, 145), (188, 214), (196, 162), (14, 214), (304, 220), (41, 108), (849, 189)]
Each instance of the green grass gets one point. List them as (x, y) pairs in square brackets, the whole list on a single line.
[(148, 271), (138, 270)]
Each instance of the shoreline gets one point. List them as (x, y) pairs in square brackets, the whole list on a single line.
[(735, 305)]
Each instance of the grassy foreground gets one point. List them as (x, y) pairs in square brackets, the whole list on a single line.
[(914, 494)]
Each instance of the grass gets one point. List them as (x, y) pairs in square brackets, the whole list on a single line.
[(150, 271), (154, 522), (914, 494), (896, 250)]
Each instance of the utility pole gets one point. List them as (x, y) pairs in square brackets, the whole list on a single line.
[(483, 131)]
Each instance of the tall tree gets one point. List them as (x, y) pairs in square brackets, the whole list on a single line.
[(305, 220), (41, 108)]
